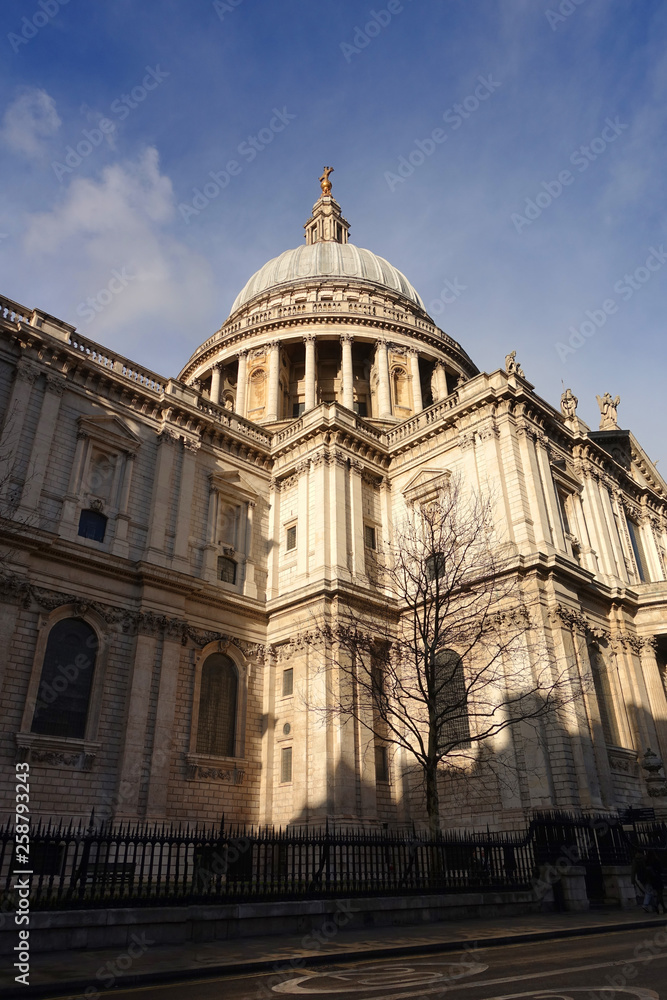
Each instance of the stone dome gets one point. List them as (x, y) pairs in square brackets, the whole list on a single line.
[(327, 260)]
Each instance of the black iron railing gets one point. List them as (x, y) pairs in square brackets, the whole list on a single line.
[(142, 864)]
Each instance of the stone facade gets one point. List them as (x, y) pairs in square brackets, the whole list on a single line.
[(243, 498)]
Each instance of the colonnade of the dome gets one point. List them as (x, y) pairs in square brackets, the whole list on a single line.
[(282, 379)]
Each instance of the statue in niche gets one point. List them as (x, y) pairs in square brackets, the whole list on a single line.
[(325, 182), (608, 411), (568, 404), (512, 366)]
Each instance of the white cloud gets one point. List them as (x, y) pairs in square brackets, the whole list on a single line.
[(29, 121), (122, 222)]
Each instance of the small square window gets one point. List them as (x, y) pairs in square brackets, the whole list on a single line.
[(93, 525), (369, 536), (290, 538), (361, 408), (288, 682), (297, 409), (285, 764)]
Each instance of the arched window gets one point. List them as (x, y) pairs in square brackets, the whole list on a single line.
[(216, 730), (400, 387), (451, 700), (66, 680)]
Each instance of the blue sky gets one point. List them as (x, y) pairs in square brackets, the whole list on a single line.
[(541, 200)]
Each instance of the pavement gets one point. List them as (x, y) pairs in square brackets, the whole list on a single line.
[(92, 974)]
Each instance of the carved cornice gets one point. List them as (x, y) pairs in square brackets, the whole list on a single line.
[(54, 751), (127, 620), (202, 767)]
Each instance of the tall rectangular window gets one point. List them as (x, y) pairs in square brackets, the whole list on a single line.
[(290, 538), (288, 682), (369, 536), (285, 765), (381, 764)]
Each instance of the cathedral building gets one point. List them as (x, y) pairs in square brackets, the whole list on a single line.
[(162, 541)]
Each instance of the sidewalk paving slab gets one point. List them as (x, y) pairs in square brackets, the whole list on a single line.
[(69, 974)]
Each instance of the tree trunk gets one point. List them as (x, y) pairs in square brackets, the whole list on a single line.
[(432, 798)]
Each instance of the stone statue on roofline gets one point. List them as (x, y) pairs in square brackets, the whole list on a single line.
[(568, 404), (608, 411), (512, 366)]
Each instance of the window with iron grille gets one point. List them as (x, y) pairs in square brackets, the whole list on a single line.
[(66, 680), (226, 569), (290, 538), (451, 700), (369, 536), (93, 525), (285, 764), (216, 730), (288, 681)]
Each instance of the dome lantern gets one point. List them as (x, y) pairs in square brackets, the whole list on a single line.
[(326, 224)]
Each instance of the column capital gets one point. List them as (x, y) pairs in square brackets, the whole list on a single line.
[(55, 385), (243, 353), (25, 371), (346, 338), (273, 344), (309, 338)]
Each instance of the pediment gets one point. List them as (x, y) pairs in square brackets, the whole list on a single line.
[(110, 431), (426, 483), (232, 485)]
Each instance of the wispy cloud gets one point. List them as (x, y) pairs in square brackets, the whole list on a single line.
[(29, 122)]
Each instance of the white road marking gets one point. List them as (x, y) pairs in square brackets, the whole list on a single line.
[(293, 986)]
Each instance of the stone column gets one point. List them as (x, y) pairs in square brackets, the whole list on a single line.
[(384, 392), (347, 371), (132, 768), (215, 383), (25, 376), (273, 400), (210, 563), (42, 444), (181, 558), (310, 374), (249, 585), (656, 693), (417, 402), (161, 496), (273, 563), (163, 738), (338, 516), (120, 546), (441, 381), (242, 383), (357, 521)]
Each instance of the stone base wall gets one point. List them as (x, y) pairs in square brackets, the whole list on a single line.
[(318, 920)]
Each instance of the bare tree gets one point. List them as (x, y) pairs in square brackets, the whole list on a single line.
[(460, 654)]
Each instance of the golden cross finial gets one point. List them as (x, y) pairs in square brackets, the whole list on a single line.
[(325, 182)]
